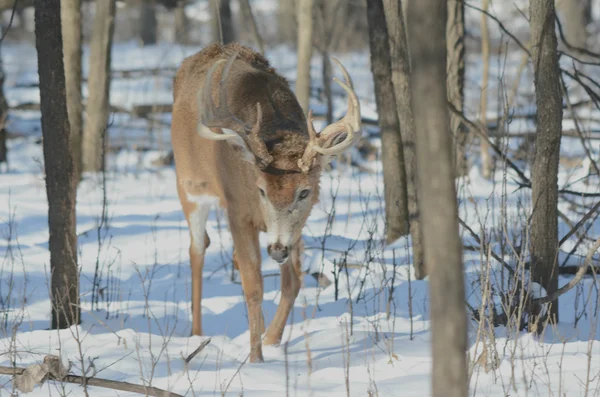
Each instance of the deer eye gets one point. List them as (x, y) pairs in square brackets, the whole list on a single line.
[(262, 192), (303, 194)]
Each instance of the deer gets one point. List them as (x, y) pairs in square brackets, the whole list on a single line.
[(242, 141)]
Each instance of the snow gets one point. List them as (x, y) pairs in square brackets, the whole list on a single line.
[(139, 331)]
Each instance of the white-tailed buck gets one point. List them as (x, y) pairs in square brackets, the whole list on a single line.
[(241, 140)]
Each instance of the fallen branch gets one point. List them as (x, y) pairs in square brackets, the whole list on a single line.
[(578, 276), (198, 350), (50, 374)]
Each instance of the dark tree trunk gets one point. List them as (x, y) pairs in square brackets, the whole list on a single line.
[(437, 199), (400, 61), (148, 22), (394, 174), (72, 52), (58, 165), (455, 47), (222, 21), (3, 117), (98, 86), (544, 173)]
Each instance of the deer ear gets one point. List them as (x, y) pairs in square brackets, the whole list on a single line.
[(239, 146)]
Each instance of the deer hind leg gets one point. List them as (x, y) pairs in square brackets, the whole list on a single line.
[(196, 209), (290, 286), (247, 258)]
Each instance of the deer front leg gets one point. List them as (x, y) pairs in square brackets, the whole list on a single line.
[(290, 286), (247, 257), (197, 214)]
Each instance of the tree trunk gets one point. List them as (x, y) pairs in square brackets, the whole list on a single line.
[(575, 15), (98, 86), (72, 52), (148, 22), (486, 159), (455, 80), (305, 33), (394, 174), (286, 21), (58, 165), (400, 61), (181, 23), (3, 117), (249, 18), (222, 22), (544, 172), (437, 200)]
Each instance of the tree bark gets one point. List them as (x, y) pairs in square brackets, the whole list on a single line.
[(58, 165), (223, 31), (98, 86), (438, 203), (394, 174), (305, 33), (181, 23), (148, 22), (544, 173), (575, 16), (3, 117), (455, 80), (486, 159), (72, 53), (401, 75), (249, 18), (287, 21)]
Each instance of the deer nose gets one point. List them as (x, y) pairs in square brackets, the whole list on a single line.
[(278, 252)]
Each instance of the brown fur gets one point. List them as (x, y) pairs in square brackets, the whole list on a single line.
[(214, 168)]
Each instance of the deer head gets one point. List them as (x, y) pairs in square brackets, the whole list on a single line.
[(288, 167)]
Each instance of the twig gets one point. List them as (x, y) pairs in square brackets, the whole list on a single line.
[(484, 246), (579, 224), (512, 36), (578, 276), (198, 350), (100, 382)]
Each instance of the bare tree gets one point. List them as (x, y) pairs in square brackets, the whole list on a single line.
[(72, 52), (3, 117), (455, 80), (222, 21), (486, 159), (329, 16), (58, 165), (148, 22), (400, 61), (98, 86), (544, 173), (249, 19), (181, 23), (437, 200), (286, 20), (575, 15), (305, 37), (394, 174)]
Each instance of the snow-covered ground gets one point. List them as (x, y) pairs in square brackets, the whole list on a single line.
[(339, 340)]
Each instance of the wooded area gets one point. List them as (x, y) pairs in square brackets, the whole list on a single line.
[(453, 185)]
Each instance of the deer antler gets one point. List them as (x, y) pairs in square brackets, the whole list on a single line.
[(212, 116), (326, 143)]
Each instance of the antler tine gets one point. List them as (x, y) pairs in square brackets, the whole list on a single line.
[(255, 142), (350, 122)]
